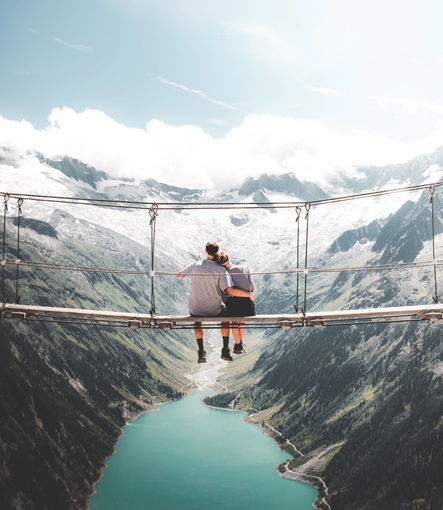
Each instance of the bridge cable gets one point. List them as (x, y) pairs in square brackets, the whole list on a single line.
[(3, 262), (353, 269), (19, 213), (431, 191), (212, 205), (153, 213), (308, 208), (209, 205), (298, 212)]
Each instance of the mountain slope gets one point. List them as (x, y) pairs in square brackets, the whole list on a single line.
[(372, 390), (68, 388), (376, 389)]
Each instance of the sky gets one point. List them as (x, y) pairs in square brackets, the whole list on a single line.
[(205, 93)]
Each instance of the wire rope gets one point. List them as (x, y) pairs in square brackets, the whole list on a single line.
[(431, 192), (86, 269), (126, 204), (153, 214), (3, 262), (308, 208), (297, 220), (19, 213)]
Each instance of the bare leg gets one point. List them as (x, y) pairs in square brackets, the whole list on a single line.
[(224, 329), (198, 331), (241, 330), (236, 332)]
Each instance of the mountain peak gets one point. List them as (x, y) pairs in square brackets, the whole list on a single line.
[(284, 183), (75, 169)]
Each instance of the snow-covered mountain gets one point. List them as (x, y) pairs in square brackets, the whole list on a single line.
[(264, 239)]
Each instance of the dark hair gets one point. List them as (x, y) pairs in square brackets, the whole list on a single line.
[(212, 248), (221, 258)]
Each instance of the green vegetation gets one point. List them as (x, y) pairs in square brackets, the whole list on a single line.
[(67, 389), (374, 390), (220, 400)]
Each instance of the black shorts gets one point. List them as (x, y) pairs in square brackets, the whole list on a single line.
[(239, 307)]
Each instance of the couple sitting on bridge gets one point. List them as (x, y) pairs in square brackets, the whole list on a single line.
[(219, 289)]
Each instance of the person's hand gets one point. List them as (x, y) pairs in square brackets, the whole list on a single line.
[(251, 296)]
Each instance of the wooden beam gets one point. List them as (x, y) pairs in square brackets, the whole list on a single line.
[(431, 312)]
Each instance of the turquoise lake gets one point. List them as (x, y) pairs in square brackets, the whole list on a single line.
[(189, 456)]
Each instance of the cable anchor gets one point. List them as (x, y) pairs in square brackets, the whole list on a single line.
[(19, 204), (153, 212), (298, 212), (6, 200), (308, 208), (431, 192)]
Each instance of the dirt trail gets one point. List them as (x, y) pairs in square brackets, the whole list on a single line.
[(304, 477), (251, 416), (206, 375)]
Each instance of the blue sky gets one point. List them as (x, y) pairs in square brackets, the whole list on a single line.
[(356, 66)]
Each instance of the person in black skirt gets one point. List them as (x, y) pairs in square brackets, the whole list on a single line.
[(237, 306)]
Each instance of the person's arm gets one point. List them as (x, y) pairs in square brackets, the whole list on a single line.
[(251, 282), (233, 291), (185, 272)]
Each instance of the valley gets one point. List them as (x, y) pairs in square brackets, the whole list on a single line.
[(368, 395)]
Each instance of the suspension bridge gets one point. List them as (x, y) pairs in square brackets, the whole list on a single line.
[(152, 320)]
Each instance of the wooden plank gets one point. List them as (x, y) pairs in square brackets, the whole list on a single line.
[(423, 311)]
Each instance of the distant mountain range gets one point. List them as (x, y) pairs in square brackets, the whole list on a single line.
[(374, 392)]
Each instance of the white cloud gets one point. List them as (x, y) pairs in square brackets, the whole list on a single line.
[(198, 92), (187, 156), (407, 104), (80, 47), (323, 90)]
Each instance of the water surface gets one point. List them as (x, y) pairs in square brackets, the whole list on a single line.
[(189, 456)]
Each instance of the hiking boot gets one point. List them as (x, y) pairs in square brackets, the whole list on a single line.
[(202, 356), (226, 355), (239, 348)]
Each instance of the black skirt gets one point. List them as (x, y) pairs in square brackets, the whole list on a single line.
[(239, 307)]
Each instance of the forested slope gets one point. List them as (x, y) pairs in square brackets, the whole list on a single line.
[(67, 388), (375, 389)]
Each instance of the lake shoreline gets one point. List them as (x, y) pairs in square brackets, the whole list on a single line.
[(226, 439), (319, 503), (131, 418), (203, 380)]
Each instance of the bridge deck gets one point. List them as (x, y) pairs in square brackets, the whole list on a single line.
[(431, 312)]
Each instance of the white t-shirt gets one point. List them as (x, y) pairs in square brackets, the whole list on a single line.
[(206, 291)]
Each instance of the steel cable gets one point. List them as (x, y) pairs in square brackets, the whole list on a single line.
[(3, 262), (19, 213), (431, 191), (126, 204)]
